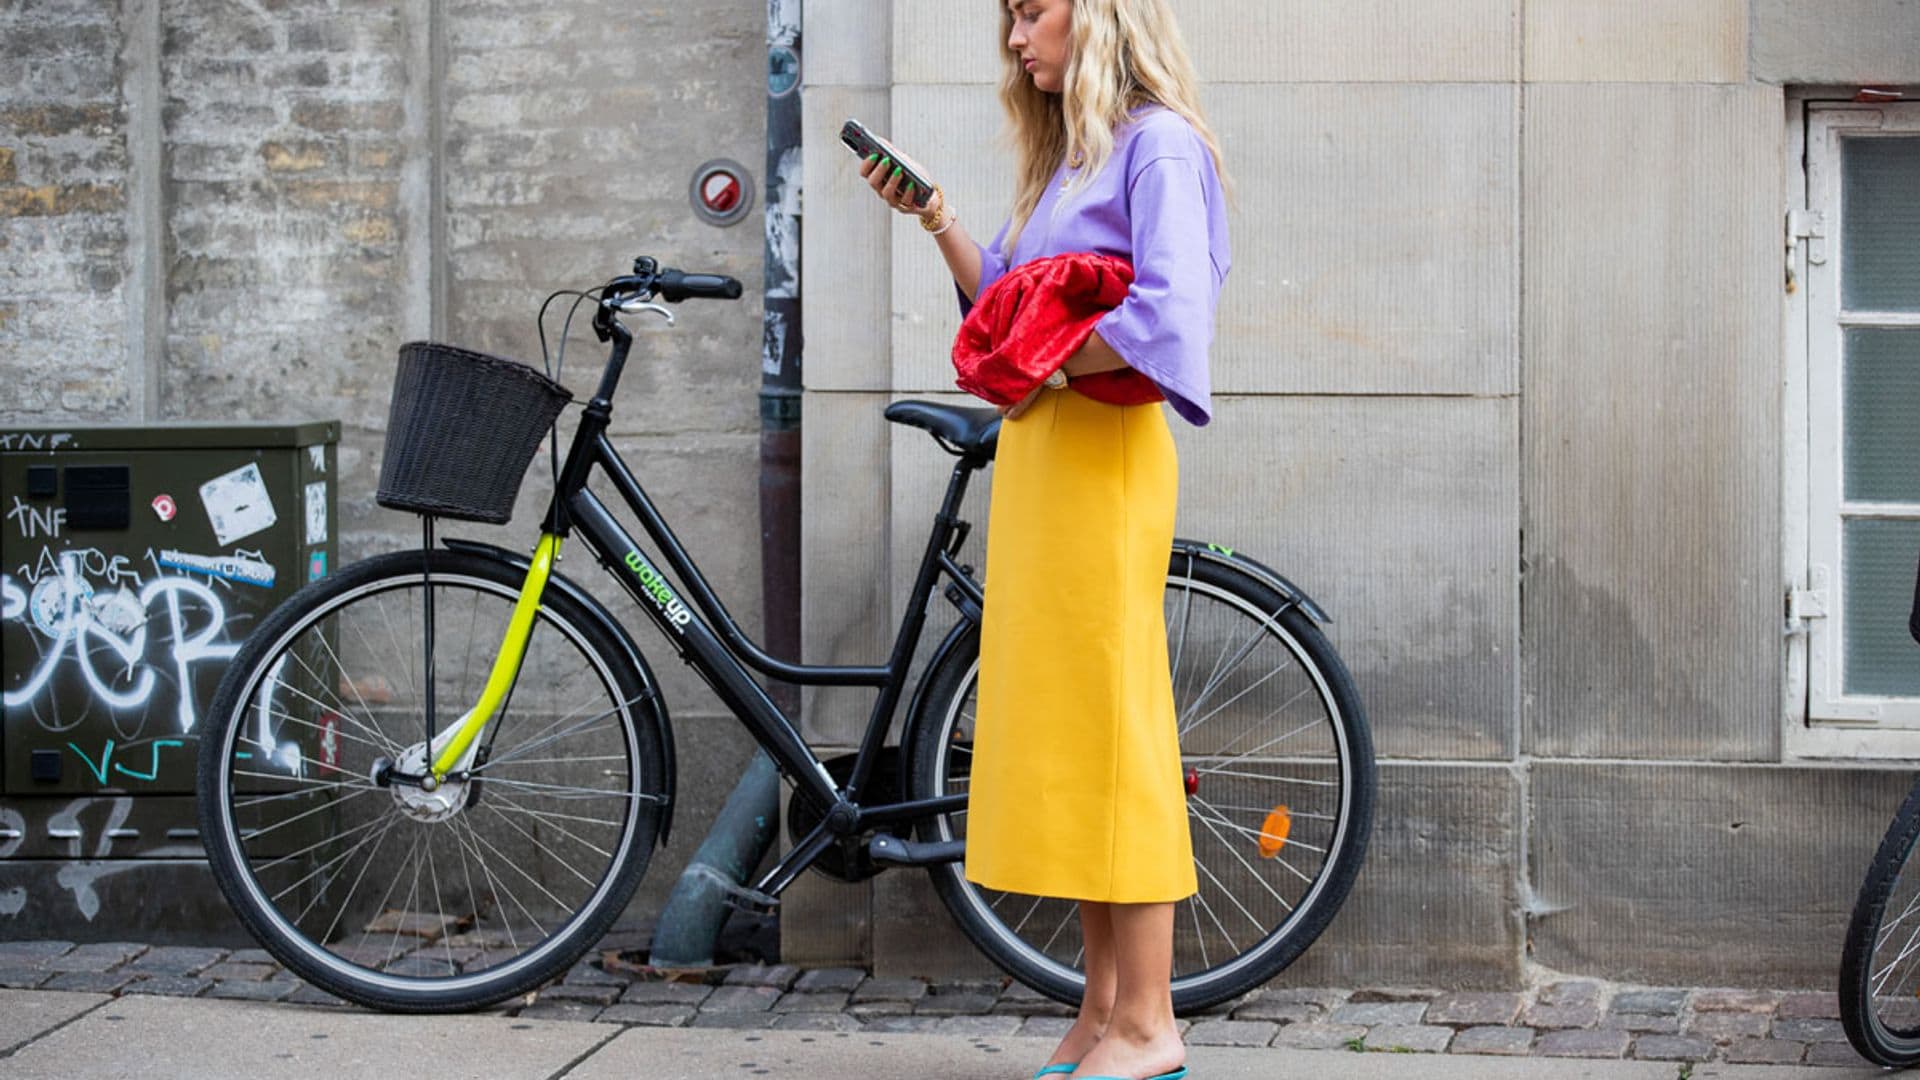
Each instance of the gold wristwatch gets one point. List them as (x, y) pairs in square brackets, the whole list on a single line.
[(1056, 379)]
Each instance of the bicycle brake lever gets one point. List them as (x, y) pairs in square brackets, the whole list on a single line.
[(634, 307)]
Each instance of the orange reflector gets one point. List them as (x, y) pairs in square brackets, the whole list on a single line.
[(1273, 834)]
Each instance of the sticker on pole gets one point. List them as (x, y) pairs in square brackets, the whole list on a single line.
[(783, 71), (163, 507), (722, 192)]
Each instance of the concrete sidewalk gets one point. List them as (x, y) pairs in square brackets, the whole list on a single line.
[(58, 1034)]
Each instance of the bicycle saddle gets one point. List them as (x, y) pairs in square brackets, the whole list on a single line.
[(976, 432)]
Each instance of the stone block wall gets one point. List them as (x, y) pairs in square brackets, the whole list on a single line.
[(1498, 381), (217, 211)]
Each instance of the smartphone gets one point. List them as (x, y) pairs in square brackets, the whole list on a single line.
[(864, 143)]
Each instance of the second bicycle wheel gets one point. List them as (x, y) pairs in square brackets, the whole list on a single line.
[(1279, 777), (402, 896), (1880, 962)]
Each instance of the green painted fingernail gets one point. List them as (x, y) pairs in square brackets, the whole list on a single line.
[(909, 187), (870, 157), (896, 170)]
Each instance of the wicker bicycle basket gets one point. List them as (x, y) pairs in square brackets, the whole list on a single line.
[(461, 428)]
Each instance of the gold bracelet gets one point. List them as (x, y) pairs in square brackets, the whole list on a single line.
[(941, 219)]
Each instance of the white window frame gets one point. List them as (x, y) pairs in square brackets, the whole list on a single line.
[(1821, 720)]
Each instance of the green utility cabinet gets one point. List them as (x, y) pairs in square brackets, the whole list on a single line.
[(134, 561)]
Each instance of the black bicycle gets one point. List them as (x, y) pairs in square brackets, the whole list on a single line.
[(1880, 962), (433, 780)]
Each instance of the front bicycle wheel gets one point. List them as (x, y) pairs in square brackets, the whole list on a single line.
[(384, 892), (1880, 962), (1279, 776)]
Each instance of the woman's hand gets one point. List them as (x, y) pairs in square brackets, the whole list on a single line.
[(890, 183), (1009, 412)]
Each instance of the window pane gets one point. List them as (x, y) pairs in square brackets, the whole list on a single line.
[(1883, 415), (1880, 266), (1881, 657)]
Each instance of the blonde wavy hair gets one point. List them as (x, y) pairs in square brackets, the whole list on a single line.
[(1125, 53)]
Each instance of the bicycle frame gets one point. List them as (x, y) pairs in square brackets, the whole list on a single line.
[(718, 654)]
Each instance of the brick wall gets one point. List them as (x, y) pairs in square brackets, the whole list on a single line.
[(64, 258), (237, 210)]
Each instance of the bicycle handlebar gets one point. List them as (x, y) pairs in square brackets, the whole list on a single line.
[(675, 285), (649, 280)]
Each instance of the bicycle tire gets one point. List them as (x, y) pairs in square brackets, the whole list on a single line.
[(1338, 820), (559, 814), (1880, 1013)]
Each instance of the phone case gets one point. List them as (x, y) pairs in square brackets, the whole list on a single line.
[(864, 143)]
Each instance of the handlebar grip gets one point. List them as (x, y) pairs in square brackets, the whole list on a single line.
[(673, 285)]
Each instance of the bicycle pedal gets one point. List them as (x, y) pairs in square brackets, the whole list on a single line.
[(891, 849), (752, 901)]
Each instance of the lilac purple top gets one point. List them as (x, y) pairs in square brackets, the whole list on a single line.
[(1158, 204)]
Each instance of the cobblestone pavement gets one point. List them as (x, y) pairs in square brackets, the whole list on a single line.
[(1572, 1018)]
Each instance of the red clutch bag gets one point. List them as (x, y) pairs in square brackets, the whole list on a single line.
[(1030, 321)]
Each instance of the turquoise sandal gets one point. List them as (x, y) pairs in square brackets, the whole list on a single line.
[(1061, 1069), (1176, 1074)]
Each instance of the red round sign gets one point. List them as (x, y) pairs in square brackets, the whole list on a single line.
[(721, 192)]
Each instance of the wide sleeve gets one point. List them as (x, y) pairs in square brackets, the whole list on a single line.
[(1164, 327), (993, 267)]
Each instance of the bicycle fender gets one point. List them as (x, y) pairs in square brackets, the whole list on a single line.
[(1226, 556), (657, 706)]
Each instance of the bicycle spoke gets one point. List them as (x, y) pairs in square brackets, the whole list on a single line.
[(535, 841), (345, 904), (1200, 895), (538, 816), (1199, 935), (352, 684), (1262, 722), (1254, 834), (1244, 691), (1270, 779), (1262, 927), (1217, 676)]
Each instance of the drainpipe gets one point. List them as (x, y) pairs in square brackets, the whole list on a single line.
[(744, 830)]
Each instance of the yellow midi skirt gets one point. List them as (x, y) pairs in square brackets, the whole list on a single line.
[(1076, 787)]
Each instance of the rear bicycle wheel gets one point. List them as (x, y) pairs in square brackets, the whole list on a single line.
[(1280, 784), (385, 893), (1880, 962)]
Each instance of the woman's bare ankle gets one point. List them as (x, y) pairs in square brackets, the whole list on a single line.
[(1079, 1040)]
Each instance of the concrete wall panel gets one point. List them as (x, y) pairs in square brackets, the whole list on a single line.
[(1375, 236), (1836, 41), (1270, 42), (953, 131), (845, 585), (1636, 41), (1399, 516), (847, 43), (1650, 427), (1435, 904), (845, 265), (1374, 242), (1702, 875)]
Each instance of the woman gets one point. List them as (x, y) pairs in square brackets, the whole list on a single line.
[(1075, 789)]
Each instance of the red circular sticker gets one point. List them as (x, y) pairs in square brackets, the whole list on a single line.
[(163, 507), (721, 192)]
